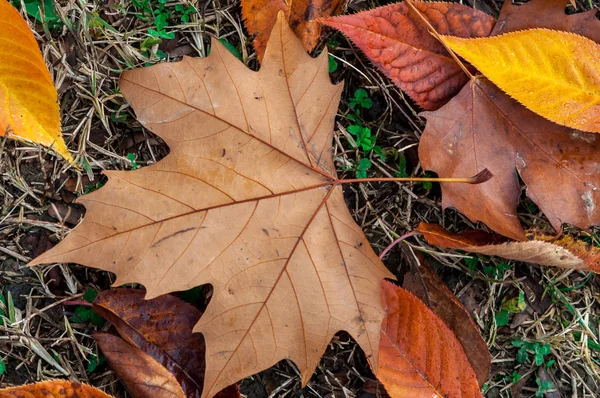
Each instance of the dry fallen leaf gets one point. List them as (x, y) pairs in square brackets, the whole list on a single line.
[(141, 374), (29, 110), (397, 41), (417, 360), (483, 128), (547, 14), (261, 15), (162, 328), (425, 284), (555, 74), (540, 248), (53, 389), (248, 200)]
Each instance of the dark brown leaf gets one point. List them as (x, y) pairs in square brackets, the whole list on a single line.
[(139, 372), (161, 327), (547, 14)]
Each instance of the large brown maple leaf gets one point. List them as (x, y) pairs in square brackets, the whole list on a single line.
[(249, 201)]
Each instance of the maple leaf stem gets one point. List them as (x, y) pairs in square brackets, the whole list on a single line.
[(435, 34), (482, 176)]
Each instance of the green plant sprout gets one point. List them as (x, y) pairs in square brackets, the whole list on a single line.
[(132, 159), (84, 313), (332, 44), (543, 387), (332, 64), (92, 187), (160, 15), (515, 376), (471, 263), (496, 271), (539, 351), (363, 165), (363, 137), (94, 361), (491, 270), (360, 100)]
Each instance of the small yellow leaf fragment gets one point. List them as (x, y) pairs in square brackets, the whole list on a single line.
[(28, 99), (555, 74)]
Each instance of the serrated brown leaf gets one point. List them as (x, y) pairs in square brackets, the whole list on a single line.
[(53, 389), (162, 328), (417, 360), (540, 248), (425, 284), (261, 15), (483, 128), (141, 374), (397, 41), (546, 14), (248, 200)]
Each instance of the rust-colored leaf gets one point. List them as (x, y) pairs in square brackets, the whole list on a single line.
[(483, 128), (540, 248), (141, 374), (162, 328), (417, 360), (28, 98), (249, 201), (547, 14), (261, 15), (53, 389), (397, 41), (430, 289)]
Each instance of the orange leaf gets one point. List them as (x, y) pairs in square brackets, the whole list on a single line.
[(430, 289), (547, 14), (53, 389), (555, 74), (540, 248), (249, 201), (301, 15), (162, 328), (419, 356), (397, 41), (141, 374), (29, 109), (483, 128)]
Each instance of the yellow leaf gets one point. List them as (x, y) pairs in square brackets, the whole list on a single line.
[(28, 99), (555, 74)]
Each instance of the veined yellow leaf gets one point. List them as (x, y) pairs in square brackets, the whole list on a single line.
[(28, 99), (555, 74)]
